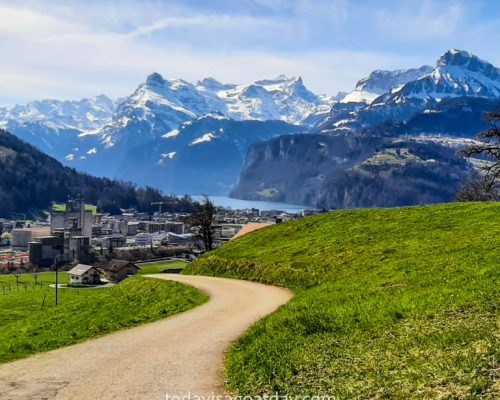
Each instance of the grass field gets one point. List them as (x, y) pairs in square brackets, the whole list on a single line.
[(161, 266), (50, 277), (82, 313), (29, 279), (62, 207), (396, 303)]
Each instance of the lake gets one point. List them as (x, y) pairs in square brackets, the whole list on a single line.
[(237, 204)]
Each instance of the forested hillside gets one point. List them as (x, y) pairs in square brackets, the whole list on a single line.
[(31, 181)]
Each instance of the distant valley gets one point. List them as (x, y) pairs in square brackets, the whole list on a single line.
[(391, 141)]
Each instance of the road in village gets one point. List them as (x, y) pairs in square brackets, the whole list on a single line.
[(180, 355)]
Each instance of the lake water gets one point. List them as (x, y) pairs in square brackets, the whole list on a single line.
[(237, 204)]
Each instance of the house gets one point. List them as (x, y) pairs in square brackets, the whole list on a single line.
[(250, 227), (117, 270), (180, 239), (83, 274)]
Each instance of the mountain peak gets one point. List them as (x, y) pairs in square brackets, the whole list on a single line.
[(209, 81), (456, 57), (213, 84), (380, 82), (155, 79), (281, 77), (465, 60)]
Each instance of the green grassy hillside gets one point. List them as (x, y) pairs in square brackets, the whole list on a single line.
[(396, 303), (26, 328)]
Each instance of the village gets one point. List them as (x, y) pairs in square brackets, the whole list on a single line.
[(99, 248)]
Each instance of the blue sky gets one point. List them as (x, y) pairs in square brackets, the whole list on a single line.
[(73, 49)]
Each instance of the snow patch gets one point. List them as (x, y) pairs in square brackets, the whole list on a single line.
[(171, 134), (108, 141), (448, 141), (207, 137), (166, 156)]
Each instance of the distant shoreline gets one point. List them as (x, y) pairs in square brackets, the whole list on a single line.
[(238, 204)]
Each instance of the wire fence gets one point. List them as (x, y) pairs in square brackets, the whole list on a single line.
[(7, 288)]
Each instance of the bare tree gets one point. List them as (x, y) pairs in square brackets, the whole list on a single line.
[(488, 146), (475, 190), (203, 219)]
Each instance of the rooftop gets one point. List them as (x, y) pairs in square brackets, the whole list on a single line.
[(80, 269)]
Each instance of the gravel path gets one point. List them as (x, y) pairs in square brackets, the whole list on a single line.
[(180, 355)]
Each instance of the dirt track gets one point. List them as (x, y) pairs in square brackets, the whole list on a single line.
[(176, 356)]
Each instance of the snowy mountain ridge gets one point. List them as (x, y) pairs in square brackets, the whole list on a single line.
[(159, 105), (282, 98), (456, 74), (83, 115), (380, 82)]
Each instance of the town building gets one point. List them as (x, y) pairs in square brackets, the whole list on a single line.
[(45, 250), (143, 239), (250, 227), (117, 270), (22, 236), (83, 274), (132, 228), (174, 227), (75, 220), (11, 261), (187, 239)]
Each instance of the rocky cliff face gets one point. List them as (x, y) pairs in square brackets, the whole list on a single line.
[(294, 168), (393, 141), (348, 171)]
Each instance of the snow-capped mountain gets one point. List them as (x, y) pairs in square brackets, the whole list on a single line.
[(82, 115), (55, 126), (160, 105), (282, 98), (393, 141), (456, 74), (185, 137), (380, 82), (168, 130), (201, 155), (156, 106)]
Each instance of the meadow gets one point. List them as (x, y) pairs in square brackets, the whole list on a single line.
[(31, 323), (389, 303), (161, 267)]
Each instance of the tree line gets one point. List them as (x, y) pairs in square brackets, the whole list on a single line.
[(30, 181)]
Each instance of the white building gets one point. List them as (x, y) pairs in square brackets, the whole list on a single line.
[(83, 274), (143, 239)]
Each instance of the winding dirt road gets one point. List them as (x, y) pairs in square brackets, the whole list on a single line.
[(180, 355)]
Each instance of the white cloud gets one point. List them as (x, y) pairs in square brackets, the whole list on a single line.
[(211, 22), (426, 20), (18, 21), (77, 49)]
